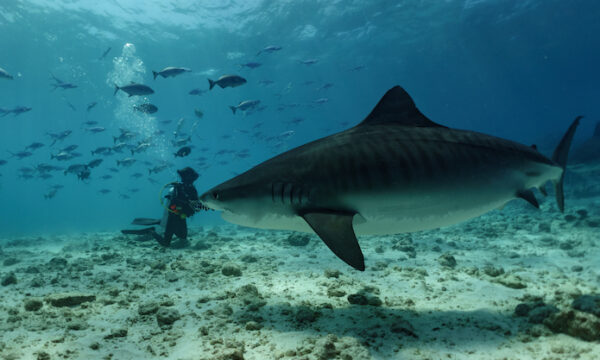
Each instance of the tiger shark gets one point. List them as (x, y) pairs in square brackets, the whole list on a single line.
[(394, 172)]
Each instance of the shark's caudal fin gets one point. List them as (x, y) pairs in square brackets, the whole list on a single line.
[(211, 84), (560, 156), (397, 107), (335, 229)]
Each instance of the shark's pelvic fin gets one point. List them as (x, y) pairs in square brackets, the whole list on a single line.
[(335, 229), (528, 196), (397, 107)]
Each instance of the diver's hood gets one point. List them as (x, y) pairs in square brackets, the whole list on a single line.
[(188, 175)]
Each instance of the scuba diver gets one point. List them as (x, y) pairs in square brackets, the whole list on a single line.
[(183, 203)]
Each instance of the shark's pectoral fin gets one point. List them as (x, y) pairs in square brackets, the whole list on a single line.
[(335, 229), (528, 196)]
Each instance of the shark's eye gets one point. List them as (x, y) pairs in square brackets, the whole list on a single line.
[(215, 195)]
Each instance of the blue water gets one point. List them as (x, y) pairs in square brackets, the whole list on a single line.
[(519, 69)]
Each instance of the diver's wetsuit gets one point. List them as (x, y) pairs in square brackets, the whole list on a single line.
[(183, 203), (180, 208)]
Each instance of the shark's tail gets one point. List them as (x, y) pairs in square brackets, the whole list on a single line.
[(155, 74), (211, 84), (233, 109), (560, 156), (117, 88)]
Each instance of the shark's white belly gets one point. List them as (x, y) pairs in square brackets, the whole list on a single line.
[(426, 207)]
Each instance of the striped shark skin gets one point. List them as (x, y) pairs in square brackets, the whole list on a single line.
[(396, 171)]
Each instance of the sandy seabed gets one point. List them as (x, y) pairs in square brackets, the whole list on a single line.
[(519, 283)]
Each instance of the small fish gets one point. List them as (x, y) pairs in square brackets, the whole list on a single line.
[(245, 105), (183, 152), (181, 141), (94, 163), (58, 83), (357, 68), (197, 92), (70, 148), (2, 162), (71, 106), (269, 49), (47, 167), (5, 75), (134, 89), (146, 108), (34, 146), (91, 106), (227, 81), (90, 123), (179, 124), (124, 136), (59, 136), (296, 121), (170, 72), (137, 175), (104, 53), (309, 61), (112, 169), (45, 176), (15, 111), (140, 148), (84, 174), (106, 177), (157, 169), (266, 82), (95, 130), (26, 170), (50, 194), (103, 150), (325, 86), (75, 169), (321, 101), (119, 147), (62, 156), (21, 154), (251, 65), (104, 191), (199, 114), (126, 162)]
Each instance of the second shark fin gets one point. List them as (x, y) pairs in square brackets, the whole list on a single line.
[(528, 196)]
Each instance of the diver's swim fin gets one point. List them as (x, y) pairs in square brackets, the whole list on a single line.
[(145, 231), (145, 221)]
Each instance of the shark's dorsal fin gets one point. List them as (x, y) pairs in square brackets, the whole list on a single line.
[(397, 107), (335, 229)]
